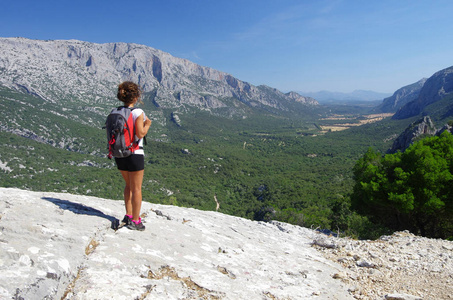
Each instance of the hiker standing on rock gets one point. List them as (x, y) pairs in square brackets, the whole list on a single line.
[(132, 167)]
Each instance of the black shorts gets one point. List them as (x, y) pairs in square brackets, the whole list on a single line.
[(135, 162)]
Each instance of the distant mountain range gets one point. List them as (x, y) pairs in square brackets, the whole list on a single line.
[(416, 99), (357, 95), (75, 75)]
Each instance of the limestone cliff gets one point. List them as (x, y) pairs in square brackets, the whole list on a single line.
[(415, 131), (401, 97), (82, 72)]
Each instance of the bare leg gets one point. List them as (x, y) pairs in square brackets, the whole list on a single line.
[(135, 180), (127, 193)]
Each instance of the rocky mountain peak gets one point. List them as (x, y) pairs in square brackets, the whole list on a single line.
[(89, 73), (401, 97), (434, 89)]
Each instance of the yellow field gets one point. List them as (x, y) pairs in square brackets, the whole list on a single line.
[(369, 119)]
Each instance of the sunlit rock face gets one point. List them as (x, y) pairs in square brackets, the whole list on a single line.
[(437, 87), (72, 70)]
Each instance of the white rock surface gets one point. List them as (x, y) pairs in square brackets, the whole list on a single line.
[(62, 246)]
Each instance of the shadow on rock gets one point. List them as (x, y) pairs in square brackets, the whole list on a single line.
[(81, 209)]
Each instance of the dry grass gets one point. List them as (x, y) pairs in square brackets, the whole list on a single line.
[(169, 272), (91, 246), (71, 285)]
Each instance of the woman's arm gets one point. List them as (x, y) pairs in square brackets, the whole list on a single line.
[(141, 128)]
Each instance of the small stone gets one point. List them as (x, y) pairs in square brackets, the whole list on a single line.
[(339, 275), (401, 297), (325, 243), (365, 264), (25, 260)]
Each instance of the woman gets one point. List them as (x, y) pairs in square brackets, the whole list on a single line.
[(132, 167)]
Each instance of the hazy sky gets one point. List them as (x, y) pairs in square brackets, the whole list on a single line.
[(300, 45)]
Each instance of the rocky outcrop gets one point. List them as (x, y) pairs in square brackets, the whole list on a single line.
[(417, 130), (89, 73), (401, 97), (446, 127), (401, 266), (435, 88), (301, 99)]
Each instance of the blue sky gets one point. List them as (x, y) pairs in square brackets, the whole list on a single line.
[(300, 45)]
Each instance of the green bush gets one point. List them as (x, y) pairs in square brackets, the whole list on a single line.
[(410, 190)]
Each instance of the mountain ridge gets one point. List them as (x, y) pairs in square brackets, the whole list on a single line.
[(86, 72), (356, 95), (436, 87), (401, 97)]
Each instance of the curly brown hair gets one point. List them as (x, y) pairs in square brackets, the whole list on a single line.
[(129, 92)]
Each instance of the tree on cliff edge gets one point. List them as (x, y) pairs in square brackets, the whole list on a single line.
[(409, 190)]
